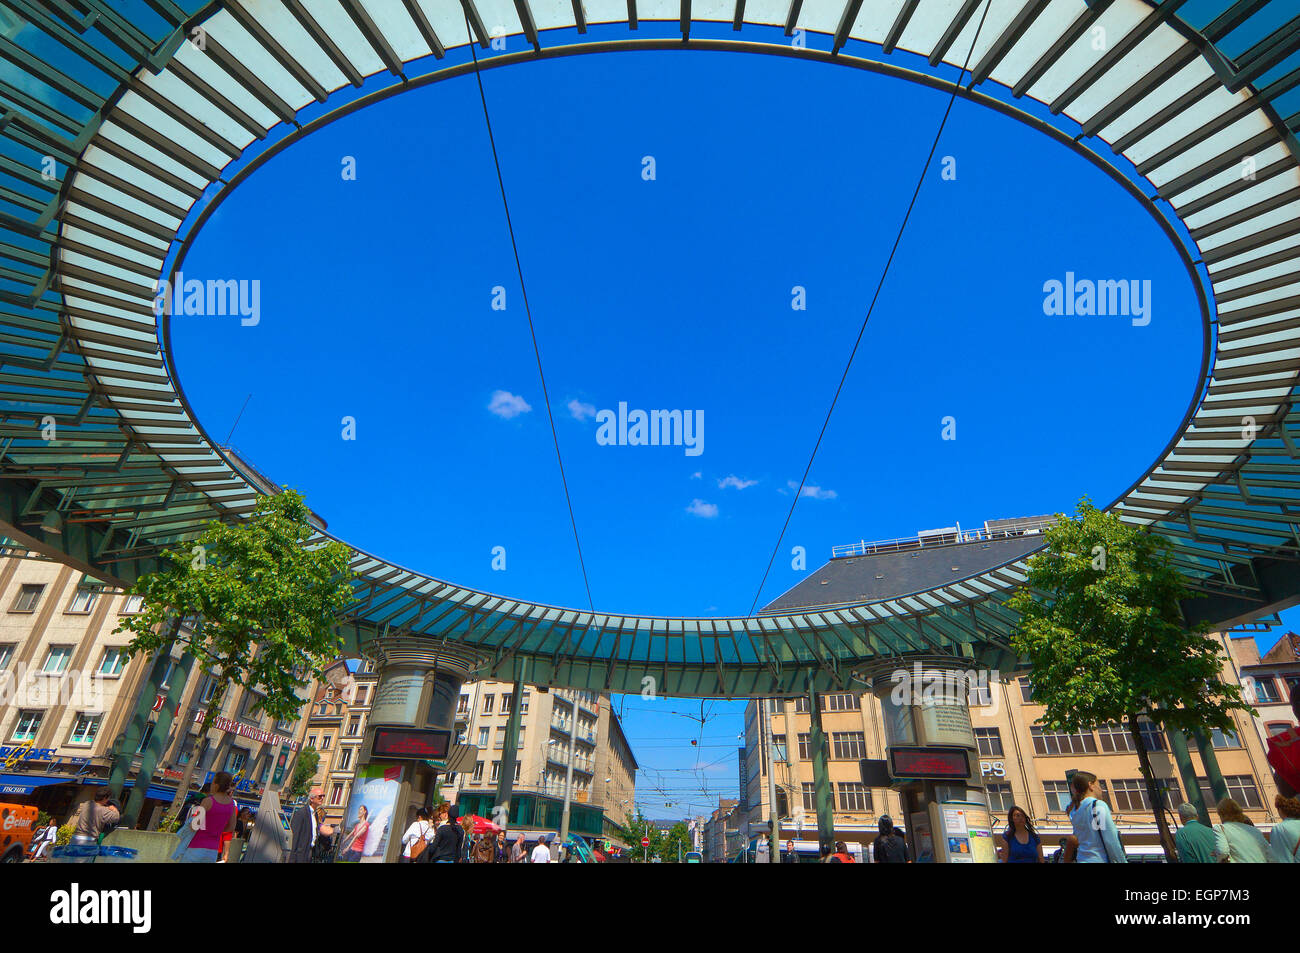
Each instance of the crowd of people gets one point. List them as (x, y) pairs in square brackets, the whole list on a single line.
[(442, 836)]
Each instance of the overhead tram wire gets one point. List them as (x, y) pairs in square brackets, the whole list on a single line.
[(519, 269), (879, 285)]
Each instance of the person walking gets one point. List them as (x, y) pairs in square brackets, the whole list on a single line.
[(1237, 840), (96, 818), (842, 855), (466, 838), (1284, 839), (303, 827), (484, 850), (519, 852), (542, 852), (214, 818), (790, 856), (1195, 841), (43, 841), (503, 848), (445, 840), (1094, 827), (886, 848), (417, 837), (1023, 845)]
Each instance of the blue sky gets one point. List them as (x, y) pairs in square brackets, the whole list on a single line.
[(676, 293)]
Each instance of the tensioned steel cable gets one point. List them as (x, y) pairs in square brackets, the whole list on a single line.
[(528, 311), (879, 285)]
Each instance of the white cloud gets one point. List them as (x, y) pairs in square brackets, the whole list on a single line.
[(507, 405), (815, 492), (736, 482), (700, 508), (580, 411), (696, 475)]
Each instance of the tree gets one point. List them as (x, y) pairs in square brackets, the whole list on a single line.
[(675, 844), (261, 604), (636, 828), (1101, 625), (304, 769)]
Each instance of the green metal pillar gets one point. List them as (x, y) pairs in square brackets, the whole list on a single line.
[(506, 780), (1183, 758), (821, 774), (125, 745), (1218, 787), (153, 751)]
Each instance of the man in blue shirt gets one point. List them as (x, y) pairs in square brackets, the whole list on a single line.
[(1195, 841)]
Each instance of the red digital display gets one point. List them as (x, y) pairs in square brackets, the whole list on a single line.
[(419, 744), (929, 763)]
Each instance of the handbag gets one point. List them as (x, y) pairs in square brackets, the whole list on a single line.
[(420, 844), (186, 835)]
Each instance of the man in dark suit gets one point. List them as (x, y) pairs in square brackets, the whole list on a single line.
[(303, 828)]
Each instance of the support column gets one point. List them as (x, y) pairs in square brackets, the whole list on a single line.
[(1187, 771), (509, 757), (419, 682), (1218, 787), (126, 743), (157, 741), (821, 772)]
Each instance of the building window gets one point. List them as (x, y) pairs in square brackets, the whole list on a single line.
[(841, 701), (501, 738), (999, 797), (1116, 738), (6, 654), (237, 759), (1058, 795), (131, 605), (809, 797), (83, 600), (336, 794), (462, 705), (1274, 727), (354, 726), (989, 741), (483, 737), (516, 772), (800, 704), (1292, 685), (145, 737), (345, 759), (112, 662), (84, 731), (1266, 691), (1059, 742), (488, 699), (246, 706), (1224, 739), (28, 596), (363, 693), (209, 688), (1130, 794), (56, 662), (523, 703), (854, 797), (325, 742), (311, 741), (478, 771), (496, 770), (505, 703), (778, 742), (848, 745), (1241, 788), (805, 746), (1026, 690)]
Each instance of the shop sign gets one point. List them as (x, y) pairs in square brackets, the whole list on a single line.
[(995, 769)]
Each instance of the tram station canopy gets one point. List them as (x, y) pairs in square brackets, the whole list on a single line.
[(1192, 105)]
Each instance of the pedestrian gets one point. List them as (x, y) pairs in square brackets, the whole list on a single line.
[(1237, 840), (484, 850), (1093, 825), (1284, 839), (1023, 845), (824, 855), (446, 841), (95, 819), (842, 855), (215, 816), (503, 849), (466, 832), (542, 852), (886, 848), (353, 844), (304, 828), (790, 856), (1058, 855), (44, 840), (519, 852), (417, 837), (1195, 841)]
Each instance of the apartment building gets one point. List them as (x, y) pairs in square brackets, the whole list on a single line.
[(714, 845), (1269, 681), (68, 690), (336, 726), (1021, 762), (555, 726)]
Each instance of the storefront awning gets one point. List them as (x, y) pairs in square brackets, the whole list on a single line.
[(156, 791), (26, 783)]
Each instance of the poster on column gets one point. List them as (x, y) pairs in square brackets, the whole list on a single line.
[(369, 817)]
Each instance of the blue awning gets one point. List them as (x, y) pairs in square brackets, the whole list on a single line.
[(27, 783), (155, 791)]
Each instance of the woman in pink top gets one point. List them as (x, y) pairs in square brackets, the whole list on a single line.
[(216, 816)]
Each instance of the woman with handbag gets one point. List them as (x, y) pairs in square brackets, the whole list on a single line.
[(417, 837)]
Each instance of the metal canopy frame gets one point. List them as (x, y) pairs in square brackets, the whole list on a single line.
[(143, 124)]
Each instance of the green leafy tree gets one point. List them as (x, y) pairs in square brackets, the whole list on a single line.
[(674, 844), (260, 607), (637, 827), (304, 769), (1101, 625)]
